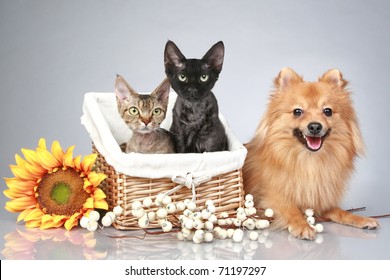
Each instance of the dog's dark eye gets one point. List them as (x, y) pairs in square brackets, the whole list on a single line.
[(298, 112), (328, 112)]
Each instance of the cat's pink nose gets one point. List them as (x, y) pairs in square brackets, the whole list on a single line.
[(146, 122)]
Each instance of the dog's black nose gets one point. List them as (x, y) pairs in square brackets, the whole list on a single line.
[(314, 128)]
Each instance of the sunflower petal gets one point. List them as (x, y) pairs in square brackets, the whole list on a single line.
[(77, 162), (19, 204), (98, 194), (23, 214), (12, 194), (42, 144), (19, 185), (34, 215), (88, 203), (47, 160), (57, 151), (100, 204), (68, 157), (72, 222), (22, 173), (31, 156), (88, 162), (96, 178)]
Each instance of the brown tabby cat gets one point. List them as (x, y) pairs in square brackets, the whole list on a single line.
[(143, 114)]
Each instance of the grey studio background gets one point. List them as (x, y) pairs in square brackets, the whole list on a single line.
[(53, 52)]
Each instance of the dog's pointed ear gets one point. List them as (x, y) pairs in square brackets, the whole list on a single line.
[(286, 77), (335, 77)]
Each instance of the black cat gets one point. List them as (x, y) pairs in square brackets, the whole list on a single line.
[(196, 127)]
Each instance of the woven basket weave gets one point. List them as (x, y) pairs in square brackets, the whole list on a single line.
[(226, 190)]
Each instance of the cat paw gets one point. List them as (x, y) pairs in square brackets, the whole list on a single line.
[(302, 232)]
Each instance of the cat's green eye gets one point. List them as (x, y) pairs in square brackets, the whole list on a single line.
[(204, 78), (182, 77), (157, 112), (133, 111)]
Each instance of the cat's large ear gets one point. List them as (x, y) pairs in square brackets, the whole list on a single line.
[(173, 56), (286, 77), (335, 77), (214, 56), (122, 90), (162, 91)]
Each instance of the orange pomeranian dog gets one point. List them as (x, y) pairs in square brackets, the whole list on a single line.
[(303, 153)]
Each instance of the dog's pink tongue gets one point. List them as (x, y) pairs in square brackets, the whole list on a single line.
[(313, 142)]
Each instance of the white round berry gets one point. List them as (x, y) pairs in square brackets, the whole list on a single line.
[(238, 235), (217, 229), (158, 200), (241, 216), (209, 202), (249, 197), (187, 233), (222, 234), (147, 202), (309, 212), (237, 222), (118, 210), (213, 219), (199, 233), (94, 216), (269, 213), (191, 206), (171, 208), (198, 224), (208, 237), (167, 226), (249, 223), (230, 232), (92, 225), (319, 228), (240, 210), (180, 206), (196, 240), (310, 220), (152, 216), (106, 221), (138, 213), (84, 222), (208, 225), (136, 205), (253, 235), (162, 213), (212, 208), (206, 214), (111, 215), (261, 224), (189, 224), (250, 211), (186, 201), (166, 200), (249, 203), (187, 212), (224, 215), (143, 222), (197, 215)]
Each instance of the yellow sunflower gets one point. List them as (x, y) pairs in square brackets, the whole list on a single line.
[(52, 189)]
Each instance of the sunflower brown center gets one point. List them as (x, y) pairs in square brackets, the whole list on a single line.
[(62, 192)]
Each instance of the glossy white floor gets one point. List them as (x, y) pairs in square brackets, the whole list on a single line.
[(337, 242)]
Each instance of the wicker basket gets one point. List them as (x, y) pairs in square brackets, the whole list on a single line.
[(122, 187)]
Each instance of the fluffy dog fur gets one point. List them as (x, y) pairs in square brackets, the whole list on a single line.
[(303, 152)]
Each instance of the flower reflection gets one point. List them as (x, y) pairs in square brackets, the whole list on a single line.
[(33, 243)]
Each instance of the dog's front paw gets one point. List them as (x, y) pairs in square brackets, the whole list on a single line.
[(302, 231), (367, 223)]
